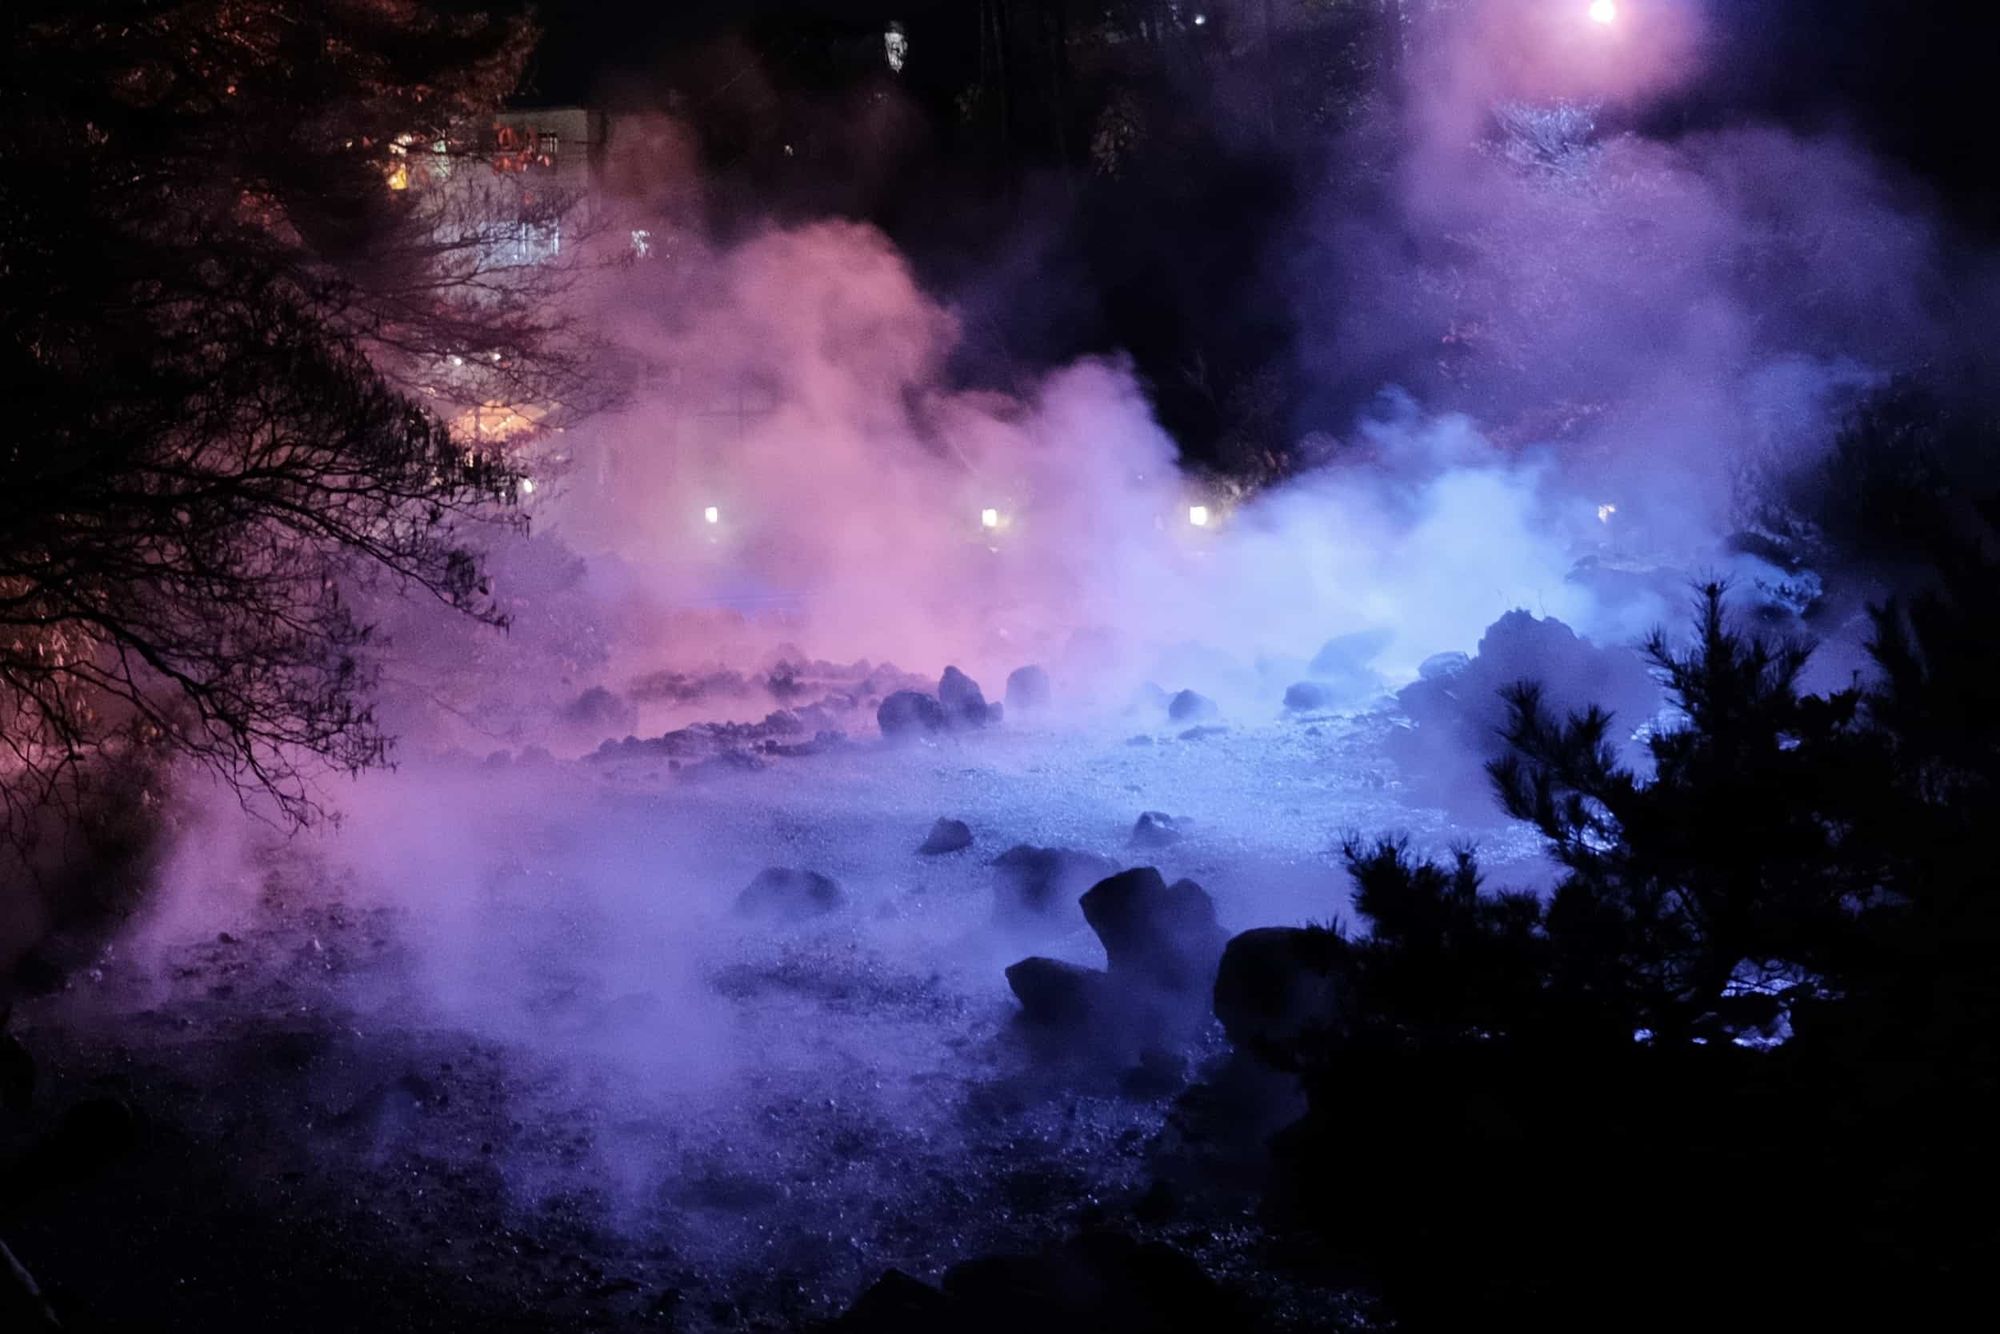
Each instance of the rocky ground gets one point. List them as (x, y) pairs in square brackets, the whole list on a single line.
[(504, 1053)]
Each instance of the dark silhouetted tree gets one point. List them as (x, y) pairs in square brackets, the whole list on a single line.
[(236, 330)]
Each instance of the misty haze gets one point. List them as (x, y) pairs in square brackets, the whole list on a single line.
[(808, 664)]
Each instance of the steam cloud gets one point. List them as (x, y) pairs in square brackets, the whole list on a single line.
[(1629, 328)]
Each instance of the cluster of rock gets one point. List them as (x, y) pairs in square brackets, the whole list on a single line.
[(791, 678), (707, 747), (958, 704), (1161, 945), (1458, 712)]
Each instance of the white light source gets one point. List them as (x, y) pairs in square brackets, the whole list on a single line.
[(1604, 12), (711, 515), (1604, 513), (1200, 20), (989, 518), (527, 486), (1198, 515)]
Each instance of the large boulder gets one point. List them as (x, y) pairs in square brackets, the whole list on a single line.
[(784, 893), (963, 702), (1346, 662), (1057, 995), (1162, 935), (909, 713), (1027, 689), (1033, 884), (946, 836), (1458, 712), (1279, 987), (1191, 707)]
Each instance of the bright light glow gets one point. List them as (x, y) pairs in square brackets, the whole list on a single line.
[(527, 486), (1200, 20), (1604, 513), (1198, 515), (399, 177), (711, 515), (1604, 11), (989, 518)]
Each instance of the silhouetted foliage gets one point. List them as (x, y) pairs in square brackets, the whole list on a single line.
[(1739, 1064), (226, 320)]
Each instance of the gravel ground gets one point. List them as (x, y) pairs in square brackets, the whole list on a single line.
[(497, 1055)]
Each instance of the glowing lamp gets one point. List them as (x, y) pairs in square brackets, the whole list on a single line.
[(711, 515), (1198, 515), (527, 486), (1604, 12), (989, 518)]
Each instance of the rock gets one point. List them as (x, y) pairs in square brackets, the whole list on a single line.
[(1278, 986), (1203, 733), (1058, 995), (599, 711), (1347, 658), (1458, 714), (963, 702), (897, 1304), (946, 836), (1308, 697), (1191, 707), (1033, 883), (1163, 935), (1156, 829), (788, 894), (909, 713), (1027, 689), (1442, 666)]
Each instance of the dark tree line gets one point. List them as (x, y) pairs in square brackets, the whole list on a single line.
[(1739, 1066), (236, 332)]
